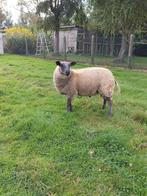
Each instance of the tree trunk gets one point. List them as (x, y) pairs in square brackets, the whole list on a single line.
[(57, 29), (57, 42), (122, 52)]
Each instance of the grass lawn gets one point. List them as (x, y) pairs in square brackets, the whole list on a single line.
[(46, 151), (137, 62), (140, 61)]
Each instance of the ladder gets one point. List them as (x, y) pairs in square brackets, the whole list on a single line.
[(41, 45)]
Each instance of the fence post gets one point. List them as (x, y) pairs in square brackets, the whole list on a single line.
[(83, 43), (65, 57), (92, 49), (26, 44), (130, 52), (96, 42), (112, 45), (44, 52)]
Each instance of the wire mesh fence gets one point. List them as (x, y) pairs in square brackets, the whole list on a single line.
[(88, 48), (100, 51), (139, 57), (83, 47)]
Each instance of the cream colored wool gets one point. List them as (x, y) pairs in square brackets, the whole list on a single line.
[(85, 82)]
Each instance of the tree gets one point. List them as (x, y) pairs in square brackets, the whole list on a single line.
[(2, 16), (7, 22), (123, 16), (5, 15), (55, 12), (80, 17), (22, 17), (28, 16)]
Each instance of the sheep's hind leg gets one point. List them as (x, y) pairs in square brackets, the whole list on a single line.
[(110, 105), (104, 102), (69, 105)]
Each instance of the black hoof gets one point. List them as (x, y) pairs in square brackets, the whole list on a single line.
[(110, 115), (69, 110)]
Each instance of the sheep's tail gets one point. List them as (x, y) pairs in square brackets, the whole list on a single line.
[(117, 88)]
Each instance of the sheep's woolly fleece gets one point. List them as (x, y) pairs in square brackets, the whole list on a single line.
[(85, 82)]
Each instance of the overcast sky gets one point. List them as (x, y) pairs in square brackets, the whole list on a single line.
[(12, 8)]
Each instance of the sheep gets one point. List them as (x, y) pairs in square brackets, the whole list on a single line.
[(84, 82)]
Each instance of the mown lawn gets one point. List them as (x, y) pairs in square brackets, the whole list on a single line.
[(137, 62), (46, 151)]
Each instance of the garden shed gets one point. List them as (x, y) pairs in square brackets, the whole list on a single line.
[(78, 40), (71, 33), (1, 44)]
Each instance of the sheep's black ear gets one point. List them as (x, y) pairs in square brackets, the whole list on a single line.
[(73, 63), (57, 62)]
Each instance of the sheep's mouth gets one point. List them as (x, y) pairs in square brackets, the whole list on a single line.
[(64, 74), (67, 74)]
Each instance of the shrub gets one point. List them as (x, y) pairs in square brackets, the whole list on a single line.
[(140, 50), (16, 38)]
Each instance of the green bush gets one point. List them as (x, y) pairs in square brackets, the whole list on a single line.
[(17, 45), (18, 39)]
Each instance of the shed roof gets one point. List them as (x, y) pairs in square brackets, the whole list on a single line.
[(69, 27)]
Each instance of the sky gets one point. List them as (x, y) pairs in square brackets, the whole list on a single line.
[(12, 8)]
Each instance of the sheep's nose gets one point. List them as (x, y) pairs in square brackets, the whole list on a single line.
[(67, 73)]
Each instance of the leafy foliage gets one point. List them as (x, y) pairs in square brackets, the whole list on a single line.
[(28, 16), (2, 16), (16, 38), (56, 11), (116, 16), (120, 16), (19, 32), (80, 17)]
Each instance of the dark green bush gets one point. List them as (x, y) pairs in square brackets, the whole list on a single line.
[(17, 45), (19, 40)]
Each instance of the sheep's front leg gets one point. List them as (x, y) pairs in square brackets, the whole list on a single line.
[(104, 102), (69, 105), (110, 105)]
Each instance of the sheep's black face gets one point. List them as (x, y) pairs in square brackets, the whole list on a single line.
[(65, 67)]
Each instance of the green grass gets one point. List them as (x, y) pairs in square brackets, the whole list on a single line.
[(46, 151), (87, 59), (140, 61), (137, 62)]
